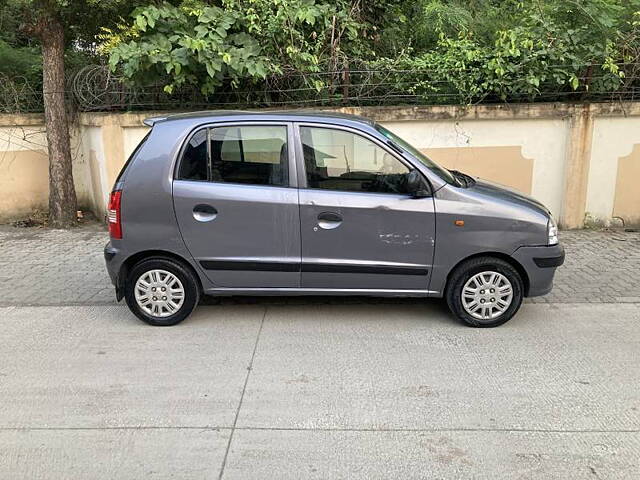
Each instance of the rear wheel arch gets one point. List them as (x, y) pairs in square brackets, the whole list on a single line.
[(128, 264), (502, 256)]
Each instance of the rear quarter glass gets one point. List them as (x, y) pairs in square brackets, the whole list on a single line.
[(133, 155)]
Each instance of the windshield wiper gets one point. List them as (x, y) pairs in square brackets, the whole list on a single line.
[(462, 182)]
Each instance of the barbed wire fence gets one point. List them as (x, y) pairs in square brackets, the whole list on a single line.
[(95, 88), (17, 95)]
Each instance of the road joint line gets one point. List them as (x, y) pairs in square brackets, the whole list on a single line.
[(244, 388), (329, 429)]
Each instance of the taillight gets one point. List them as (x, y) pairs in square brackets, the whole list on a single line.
[(113, 214)]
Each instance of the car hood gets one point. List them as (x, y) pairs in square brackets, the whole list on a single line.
[(503, 193)]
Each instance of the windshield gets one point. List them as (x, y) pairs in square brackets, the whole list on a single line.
[(443, 173)]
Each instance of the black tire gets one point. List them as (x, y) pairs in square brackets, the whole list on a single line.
[(184, 275), (468, 269)]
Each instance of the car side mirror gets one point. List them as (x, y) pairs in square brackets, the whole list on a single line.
[(416, 185)]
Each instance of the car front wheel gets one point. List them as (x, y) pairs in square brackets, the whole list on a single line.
[(485, 292), (160, 291)]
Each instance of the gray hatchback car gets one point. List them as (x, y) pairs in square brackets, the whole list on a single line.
[(241, 203)]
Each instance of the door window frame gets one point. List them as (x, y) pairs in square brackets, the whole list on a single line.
[(301, 167), (291, 156)]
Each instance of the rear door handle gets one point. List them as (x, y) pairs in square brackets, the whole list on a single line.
[(329, 220), (204, 213)]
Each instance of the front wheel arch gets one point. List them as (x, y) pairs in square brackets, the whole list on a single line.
[(502, 256)]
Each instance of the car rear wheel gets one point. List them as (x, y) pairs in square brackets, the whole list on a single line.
[(161, 291), (485, 292)]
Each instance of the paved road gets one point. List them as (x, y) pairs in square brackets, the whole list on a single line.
[(337, 391), (315, 387), (56, 267)]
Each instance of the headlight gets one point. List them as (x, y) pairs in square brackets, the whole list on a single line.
[(552, 232)]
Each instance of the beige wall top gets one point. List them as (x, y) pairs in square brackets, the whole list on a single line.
[(536, 148), (388, 114), (426, 112)]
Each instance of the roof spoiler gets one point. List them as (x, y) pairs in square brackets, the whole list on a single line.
[(151, 121)]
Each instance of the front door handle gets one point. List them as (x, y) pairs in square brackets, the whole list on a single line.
[(329, 220), (204, 213)]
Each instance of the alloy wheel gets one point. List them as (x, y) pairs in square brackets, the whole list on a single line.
[(159, 293), (487, 295)]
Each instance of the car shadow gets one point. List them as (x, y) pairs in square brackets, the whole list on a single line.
[(433, 307)]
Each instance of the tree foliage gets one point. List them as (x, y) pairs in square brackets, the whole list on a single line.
[(203, 44), (463, 50), (20, 55), (538, 49), (472, 49)]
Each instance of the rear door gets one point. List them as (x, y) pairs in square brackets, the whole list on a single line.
[(360, 229), (236, 202)]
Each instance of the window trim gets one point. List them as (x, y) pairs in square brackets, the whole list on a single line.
[(301, 167), (291, 161)]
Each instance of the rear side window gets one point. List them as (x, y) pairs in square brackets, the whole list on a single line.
[(252, 154)]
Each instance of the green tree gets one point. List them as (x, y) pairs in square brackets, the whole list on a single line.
[(54, 25)]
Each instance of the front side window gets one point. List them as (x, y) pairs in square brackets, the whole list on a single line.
[(341, 160), (252, 154)]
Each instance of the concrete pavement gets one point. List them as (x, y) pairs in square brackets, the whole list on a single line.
[(315, 387), (389, 390)]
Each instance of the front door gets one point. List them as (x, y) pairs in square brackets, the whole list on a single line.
[(235, 207), (360, 229)]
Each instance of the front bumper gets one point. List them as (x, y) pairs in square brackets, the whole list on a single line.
[(540, 263)]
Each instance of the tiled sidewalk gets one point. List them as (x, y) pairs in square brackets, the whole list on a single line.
[(55, 267)]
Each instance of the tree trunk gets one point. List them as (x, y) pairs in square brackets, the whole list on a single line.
[(62, 193)]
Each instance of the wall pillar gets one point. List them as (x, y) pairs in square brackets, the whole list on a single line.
[(577, 160)]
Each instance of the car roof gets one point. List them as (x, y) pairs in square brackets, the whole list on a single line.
[(281, 115)]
